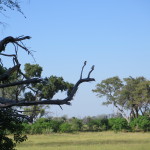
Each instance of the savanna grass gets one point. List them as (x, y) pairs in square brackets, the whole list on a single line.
[(88, 141)]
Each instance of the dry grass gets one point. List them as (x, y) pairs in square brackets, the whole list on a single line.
[(88, 141)]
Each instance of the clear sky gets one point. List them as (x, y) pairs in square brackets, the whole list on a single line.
[(114, 35)]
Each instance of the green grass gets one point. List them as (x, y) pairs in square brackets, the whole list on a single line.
[(88, 141)]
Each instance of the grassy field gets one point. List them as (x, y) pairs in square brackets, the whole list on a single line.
[(88, 141)]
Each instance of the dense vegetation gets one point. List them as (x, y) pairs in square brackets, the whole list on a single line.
[(87, 124)]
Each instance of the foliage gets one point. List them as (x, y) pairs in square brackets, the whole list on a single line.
[(40, 91), (10, 123), (42, 126), (104, 124), (65, 127), (96, 124), (76, 124), (118, 124), (10, 4), (132, 94), (140, 123)]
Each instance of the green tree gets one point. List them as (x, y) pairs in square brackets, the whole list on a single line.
[(129, 94), (42, 91)]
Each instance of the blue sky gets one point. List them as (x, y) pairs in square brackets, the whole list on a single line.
[(113, 35)]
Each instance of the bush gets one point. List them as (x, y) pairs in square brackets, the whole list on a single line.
[(76, 124), (94, 124), (140, 123), (27, 128), (65, 127), (104, 125), (43, 126), (118, 124), (55, 125)]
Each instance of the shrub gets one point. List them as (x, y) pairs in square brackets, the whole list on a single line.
[(140, 123), (94, 124), (104, 125), (65, 127), (55, 125), (118, 124), (76, 124)]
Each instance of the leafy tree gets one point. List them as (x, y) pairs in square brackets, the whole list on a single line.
[(129, 94), (42, 91)]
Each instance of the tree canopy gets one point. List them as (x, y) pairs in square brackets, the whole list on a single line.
[(130, 94)]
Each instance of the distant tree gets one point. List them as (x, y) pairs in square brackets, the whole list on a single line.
[(129, 94)]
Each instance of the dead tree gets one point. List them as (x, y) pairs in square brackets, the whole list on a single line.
[(9, 103)]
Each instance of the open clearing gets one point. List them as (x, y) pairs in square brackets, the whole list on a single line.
[(88, 141)]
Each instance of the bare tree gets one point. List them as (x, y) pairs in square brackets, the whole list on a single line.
[(24, 80)]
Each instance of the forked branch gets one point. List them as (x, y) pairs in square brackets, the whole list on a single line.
[(10, 39), (6, 103)]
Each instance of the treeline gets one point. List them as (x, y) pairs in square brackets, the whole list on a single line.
[(87, 124)]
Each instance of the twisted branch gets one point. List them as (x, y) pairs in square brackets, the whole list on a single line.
[(6, 103), (10, 39)]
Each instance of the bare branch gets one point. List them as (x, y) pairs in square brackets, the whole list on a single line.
[(6, 103), (8, 55), (82, 69), (10, 39), (92, 68), (28, 81)]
